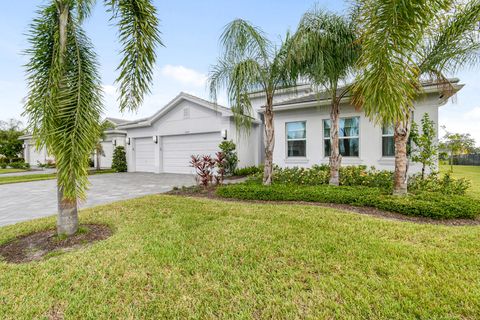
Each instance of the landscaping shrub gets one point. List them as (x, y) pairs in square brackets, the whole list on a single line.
[(320, 175), (432, 205), (231, 157), (248, 171), (208, 168), (434, 183), (3, 162), (367, 177), (19, 165), (119, 161)]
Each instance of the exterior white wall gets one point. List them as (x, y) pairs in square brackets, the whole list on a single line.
[(108, 148), (200, 120), (370, 136), (33, 156), (248, 144)]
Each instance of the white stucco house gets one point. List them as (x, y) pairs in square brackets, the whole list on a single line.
[(189, 125)]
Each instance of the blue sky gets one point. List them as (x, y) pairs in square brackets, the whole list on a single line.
[(190, 32)]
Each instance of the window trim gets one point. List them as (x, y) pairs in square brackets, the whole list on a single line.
[(382, 135), (186, 113), (287, 140), (325, 156)]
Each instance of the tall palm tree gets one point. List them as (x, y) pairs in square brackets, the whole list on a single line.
[(402, 43), (250, 63), (64, 102), (326, 51)]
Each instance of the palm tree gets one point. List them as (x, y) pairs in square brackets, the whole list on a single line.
[(250, 63), (402, 43), (64, 102), (326, 51)]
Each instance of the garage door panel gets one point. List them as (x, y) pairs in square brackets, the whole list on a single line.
[(144, 155), (177, 150)]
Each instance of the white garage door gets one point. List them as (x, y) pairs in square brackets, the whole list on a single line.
[(177, 150), (145, 155)]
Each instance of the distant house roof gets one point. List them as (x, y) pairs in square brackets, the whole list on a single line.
[(116, 121)]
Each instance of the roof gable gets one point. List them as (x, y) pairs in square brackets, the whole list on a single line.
[(146, 122)]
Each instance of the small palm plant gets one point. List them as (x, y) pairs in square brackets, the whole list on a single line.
[(64, 102), (251, 63), (325, 52), (403, 41)]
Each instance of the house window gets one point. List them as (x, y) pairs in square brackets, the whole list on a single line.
[(348, 134), (296, 139), (388, 144), (186, 113)]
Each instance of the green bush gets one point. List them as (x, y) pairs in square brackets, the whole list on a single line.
[(434, 183), (248, 171), (19, 165), (432, 205), (119, 161), (320, 175), (367, 177), (231, 157)]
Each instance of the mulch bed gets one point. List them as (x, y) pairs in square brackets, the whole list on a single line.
[(210, 193), (36, 246)]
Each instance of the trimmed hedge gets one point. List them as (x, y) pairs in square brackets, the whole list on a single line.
[(431, 205), (363, 176)]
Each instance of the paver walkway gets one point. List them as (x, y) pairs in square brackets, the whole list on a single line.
[(30, 200)]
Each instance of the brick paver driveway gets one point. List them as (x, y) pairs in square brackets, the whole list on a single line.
[(30, 200)]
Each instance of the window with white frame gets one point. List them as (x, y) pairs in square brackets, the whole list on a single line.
[(186, 113), (348, 134), (296, 139), (388, 144)]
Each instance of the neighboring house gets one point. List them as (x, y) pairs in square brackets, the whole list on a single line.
[(31, 154), (112, 138), (35, 156), (188, 125)]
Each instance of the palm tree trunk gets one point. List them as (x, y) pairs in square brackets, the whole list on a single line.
[(400, 137), (269, 142), (67, 216), (335, 157)]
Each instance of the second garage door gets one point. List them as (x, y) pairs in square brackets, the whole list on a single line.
[(144, 155), (177, 150)]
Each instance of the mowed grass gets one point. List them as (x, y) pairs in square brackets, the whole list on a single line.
[(471, 173), (40, 176), (9, 170), (174, 257)]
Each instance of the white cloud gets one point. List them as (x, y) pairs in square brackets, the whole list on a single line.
[(184, 75), (473, 114)]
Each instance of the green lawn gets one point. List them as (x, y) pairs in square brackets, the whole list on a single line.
[(471, 173), (173, 257), (40, 176), (8, 170)]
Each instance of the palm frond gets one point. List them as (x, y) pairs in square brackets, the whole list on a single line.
[(139, 37), (455, 42), (64, 102), (241, 39), (84, 9), (391, 34), (239, 78), (326, 47)]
